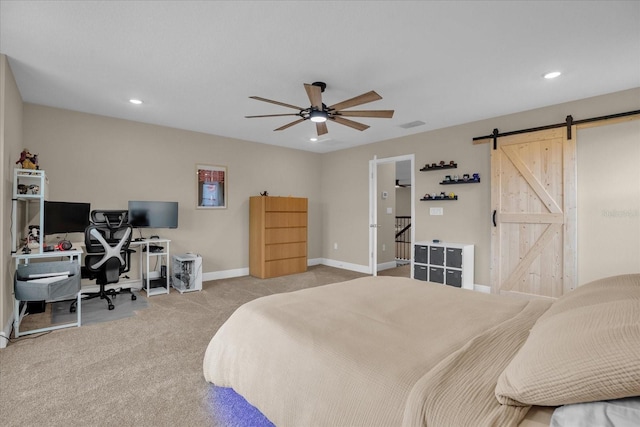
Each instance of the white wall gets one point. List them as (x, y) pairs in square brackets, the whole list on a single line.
[(107, 162), (608, 200), (468, 220), (11, 120)]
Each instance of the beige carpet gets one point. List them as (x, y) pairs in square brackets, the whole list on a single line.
[(144, 370)]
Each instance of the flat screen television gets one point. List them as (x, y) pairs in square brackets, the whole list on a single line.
[(65, 217), (144, 214)]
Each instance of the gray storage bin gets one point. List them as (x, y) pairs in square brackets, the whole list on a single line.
[(28, 290)]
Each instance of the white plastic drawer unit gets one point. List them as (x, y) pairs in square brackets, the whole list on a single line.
[(447, 263)]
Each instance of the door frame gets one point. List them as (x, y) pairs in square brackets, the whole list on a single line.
[(373, 206)]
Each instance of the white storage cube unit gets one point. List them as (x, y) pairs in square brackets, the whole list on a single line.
[(186, 272), (447, 263)]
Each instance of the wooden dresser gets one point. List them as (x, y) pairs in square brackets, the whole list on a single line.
[(277, 236)]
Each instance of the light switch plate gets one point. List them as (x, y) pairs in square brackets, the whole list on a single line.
[(389, 211), (436, 211)]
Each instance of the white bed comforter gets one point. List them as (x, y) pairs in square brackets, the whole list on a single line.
[(383, 351)]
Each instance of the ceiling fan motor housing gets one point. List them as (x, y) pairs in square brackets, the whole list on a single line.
[(322, 86)]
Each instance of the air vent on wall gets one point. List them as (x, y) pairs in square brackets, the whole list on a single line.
[(412, 124)]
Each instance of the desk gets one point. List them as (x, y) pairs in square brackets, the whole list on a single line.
[(74, 256), (156, 281)]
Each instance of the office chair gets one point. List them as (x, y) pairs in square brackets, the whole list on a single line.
[(107, 254)]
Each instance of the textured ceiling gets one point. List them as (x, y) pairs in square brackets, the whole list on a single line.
[(195, 63)]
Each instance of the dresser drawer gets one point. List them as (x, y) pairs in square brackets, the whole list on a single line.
[(285, 235), (285, 266), (285, 250), (285, 219), (287, 204)]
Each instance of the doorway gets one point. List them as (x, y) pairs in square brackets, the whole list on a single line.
[(391, 195)]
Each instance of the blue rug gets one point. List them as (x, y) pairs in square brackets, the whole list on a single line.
[(232, 410)]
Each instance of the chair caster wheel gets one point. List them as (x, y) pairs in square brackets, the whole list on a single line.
[(133, 297), (111, 307)]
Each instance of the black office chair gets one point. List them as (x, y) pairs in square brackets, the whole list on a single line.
[(107, 254)]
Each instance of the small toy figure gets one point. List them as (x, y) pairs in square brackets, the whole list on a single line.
[(28, 160), (33, 238)]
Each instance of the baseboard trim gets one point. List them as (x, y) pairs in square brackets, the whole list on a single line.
[(4, 335), (225, 274), (387, 265), (239, 272), (346, 265), (482, 288)]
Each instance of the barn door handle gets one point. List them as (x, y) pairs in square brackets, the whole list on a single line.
[(494, 218)]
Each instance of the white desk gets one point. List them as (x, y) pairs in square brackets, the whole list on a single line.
[(153, 281), (74, 255)]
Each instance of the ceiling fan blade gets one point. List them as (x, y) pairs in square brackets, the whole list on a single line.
[(382, 114), (276, 102), (322, 128), (270, 115), (350, 123), (358, 100), (290, 124), (315, 95)]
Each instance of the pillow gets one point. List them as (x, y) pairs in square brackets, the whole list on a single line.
[(617, 288), (608, 413), (585, 348)]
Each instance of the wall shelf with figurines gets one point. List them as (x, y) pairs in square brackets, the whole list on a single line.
[(466, 179), (442, 196), (439, 166)]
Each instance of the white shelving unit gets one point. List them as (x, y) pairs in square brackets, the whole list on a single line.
[(447, 263), (30, 189), (187, 273), (155, 281)]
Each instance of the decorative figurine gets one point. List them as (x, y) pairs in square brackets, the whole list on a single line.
[(452, 195), (476, 177), (465, 177), (447, 178), (28, 160), (264, 193)]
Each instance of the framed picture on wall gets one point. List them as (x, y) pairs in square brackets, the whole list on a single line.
[(211, 182)]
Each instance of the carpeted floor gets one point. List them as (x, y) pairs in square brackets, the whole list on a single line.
[(144, 370), (95, 310)]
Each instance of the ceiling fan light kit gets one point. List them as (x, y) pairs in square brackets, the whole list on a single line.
[(319, 113), (318, 116)]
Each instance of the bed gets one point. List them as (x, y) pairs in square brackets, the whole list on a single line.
[(391, 351)]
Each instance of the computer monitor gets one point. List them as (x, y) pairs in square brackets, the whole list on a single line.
[(65, 217), (145, 214)]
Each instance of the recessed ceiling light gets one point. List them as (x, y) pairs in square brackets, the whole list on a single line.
[(552, 75), (313, 139), (135, 101)]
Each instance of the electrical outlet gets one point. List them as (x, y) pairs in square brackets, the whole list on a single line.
[(384, 247), (335, 246), (436, 211)]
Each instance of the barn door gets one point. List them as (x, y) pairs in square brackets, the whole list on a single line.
[(533, 197)]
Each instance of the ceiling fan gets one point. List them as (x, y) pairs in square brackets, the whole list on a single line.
[(319, 113)]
